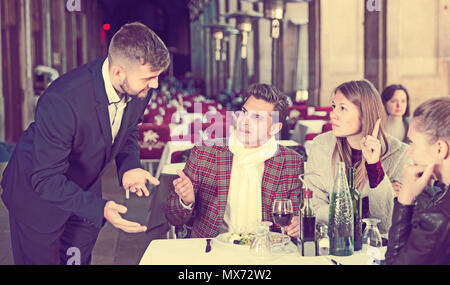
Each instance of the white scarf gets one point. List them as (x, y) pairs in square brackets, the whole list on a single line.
[(244, 203)]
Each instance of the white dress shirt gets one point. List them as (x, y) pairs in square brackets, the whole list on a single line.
[(116, 105)]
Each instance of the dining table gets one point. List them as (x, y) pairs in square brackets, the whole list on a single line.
[(191, 251)]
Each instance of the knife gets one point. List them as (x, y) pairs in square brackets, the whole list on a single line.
[(208, 245), (334, 261)]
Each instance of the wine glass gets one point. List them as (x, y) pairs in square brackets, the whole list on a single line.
[(282, 213), (371, 236)]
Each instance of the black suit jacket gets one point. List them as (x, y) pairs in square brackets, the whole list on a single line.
[(56, 168)]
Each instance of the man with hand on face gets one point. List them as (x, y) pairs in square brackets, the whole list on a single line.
[(230, 186), (84, 120), (420, 231)]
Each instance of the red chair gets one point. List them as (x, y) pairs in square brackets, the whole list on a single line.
[(189, 97), (322, 109), (326, 109), (152, 139), (302, 111), (178, 157), (152, 110), (169, 111), (327, 127), (201, 107), (149, 115), (318, 117), (295, 113), (299, 103), (311, 136)]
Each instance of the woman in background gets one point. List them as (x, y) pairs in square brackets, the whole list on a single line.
[(359, 140), (396, 102)]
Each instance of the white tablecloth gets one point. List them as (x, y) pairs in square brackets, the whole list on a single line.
[(192, 252)]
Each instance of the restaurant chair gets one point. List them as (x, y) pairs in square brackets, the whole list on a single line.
[(152, 139)]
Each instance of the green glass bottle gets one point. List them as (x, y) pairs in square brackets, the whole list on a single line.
[(340, 218), (357, 208)]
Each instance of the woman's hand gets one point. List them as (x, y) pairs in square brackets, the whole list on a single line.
[(371, 146)]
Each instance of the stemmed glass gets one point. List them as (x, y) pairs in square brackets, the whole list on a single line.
[(371, 236), (282, 213)]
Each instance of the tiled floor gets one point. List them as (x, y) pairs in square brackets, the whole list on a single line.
[(113, 246)]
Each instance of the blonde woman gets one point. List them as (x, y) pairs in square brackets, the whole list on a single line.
[(359, 140)]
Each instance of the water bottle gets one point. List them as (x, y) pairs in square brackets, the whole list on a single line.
[(340, 218)]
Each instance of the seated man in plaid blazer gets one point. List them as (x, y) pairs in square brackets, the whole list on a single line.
[(230, 186)]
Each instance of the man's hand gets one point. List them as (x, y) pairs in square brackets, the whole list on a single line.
[(415, 179), (184, 188), (135, 180), (293, 229), (112, 213)]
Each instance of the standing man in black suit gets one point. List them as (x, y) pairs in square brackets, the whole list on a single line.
[(84, 120)]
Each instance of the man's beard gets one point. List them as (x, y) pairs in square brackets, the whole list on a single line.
[(126, 89)]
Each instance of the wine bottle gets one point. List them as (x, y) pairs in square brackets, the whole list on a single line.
[(340, 217), (308, 221), (308, 242), (357, 208)]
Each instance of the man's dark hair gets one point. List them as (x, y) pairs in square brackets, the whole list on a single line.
[(270, 94), (137, 42)]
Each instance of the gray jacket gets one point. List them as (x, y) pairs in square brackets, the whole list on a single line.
[(319, 177)]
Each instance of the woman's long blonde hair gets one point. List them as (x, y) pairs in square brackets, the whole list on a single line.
[(365, 96)]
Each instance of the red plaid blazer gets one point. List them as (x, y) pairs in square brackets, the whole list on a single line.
[(209, 168)]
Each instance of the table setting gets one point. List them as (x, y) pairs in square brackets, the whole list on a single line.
[(261, 247), (193, 251), (337, 242)]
